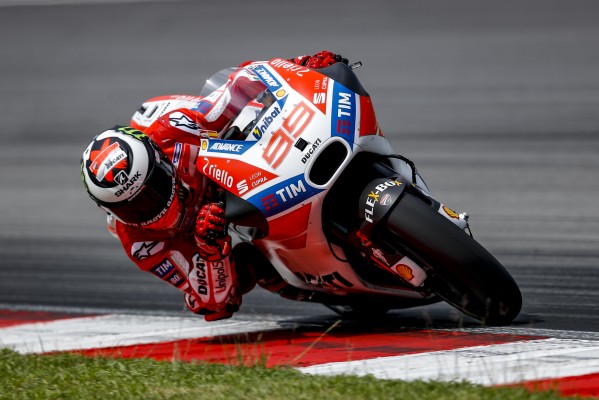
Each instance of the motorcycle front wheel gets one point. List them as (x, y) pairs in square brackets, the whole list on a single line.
[(459, 269)]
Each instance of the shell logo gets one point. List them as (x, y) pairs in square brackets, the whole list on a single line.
[(450, 212), (404, 271)]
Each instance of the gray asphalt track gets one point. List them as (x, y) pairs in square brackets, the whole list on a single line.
[(496, 102)]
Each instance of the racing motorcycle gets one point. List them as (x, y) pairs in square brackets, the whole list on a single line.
[(315, 186)]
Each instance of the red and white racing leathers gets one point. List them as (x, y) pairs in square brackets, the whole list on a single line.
[(171, 254), (211, 287)]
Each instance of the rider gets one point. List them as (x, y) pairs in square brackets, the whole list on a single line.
[(168, 216)]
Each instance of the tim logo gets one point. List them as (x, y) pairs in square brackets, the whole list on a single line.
[(292, 191), (270, 202), (343, 118)]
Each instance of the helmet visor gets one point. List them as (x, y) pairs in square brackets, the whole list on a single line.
[(153, 199)]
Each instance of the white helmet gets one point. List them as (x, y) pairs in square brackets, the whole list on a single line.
[(128, 175)]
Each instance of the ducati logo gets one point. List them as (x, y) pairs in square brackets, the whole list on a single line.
[(106, 160), (386, 199)]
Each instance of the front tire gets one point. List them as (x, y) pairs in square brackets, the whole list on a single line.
[(460, 270)]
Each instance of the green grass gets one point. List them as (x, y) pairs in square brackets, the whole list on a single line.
[(68, 376)]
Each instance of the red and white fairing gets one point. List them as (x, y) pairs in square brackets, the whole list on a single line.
[(272, 169)]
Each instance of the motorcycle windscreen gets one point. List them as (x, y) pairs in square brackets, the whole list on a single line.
[(245, 99)]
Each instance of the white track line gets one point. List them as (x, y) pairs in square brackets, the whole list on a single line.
[(120, 330), (486, 365)]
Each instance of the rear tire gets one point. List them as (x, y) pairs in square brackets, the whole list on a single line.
[(460, 270)]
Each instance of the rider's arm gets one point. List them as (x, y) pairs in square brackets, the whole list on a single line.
[(211, 114), (178, 135), (210, 287)]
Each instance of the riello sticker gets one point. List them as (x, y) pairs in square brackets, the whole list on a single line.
[(236, 176)]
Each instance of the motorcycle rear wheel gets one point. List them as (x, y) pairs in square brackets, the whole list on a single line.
[(460, 270)]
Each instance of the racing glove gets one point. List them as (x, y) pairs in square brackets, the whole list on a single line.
[(195, 306), (211, 237), (320, 60), (215, 291)]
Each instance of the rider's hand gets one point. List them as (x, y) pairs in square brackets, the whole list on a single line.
[(223, 313), (211, 234), (324, 59), (195, 305)]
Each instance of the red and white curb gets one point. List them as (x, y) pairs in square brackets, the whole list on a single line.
[(564, 360), (498, 364), (115, 330)]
